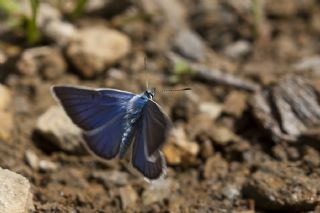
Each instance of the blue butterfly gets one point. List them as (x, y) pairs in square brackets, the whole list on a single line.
[(113, 119)]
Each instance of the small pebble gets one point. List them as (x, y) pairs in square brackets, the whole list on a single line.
[(32, 159), (48, 166)]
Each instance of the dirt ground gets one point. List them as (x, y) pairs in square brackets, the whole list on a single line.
[(246, 138)]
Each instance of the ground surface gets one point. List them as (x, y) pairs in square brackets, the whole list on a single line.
[(245, 139)]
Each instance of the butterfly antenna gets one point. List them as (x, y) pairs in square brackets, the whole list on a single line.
[(175, 90), (146, 71)]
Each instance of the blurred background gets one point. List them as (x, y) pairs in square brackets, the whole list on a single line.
[(245, 139)]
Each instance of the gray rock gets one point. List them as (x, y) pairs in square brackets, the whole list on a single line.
[(15, 195), (279, 186), (287, 109), (237, 49), (95, 49), (128, 196), (159, 190), (48, 166), (189, 44), (58, 129)]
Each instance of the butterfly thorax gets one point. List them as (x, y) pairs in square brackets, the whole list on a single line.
[(134, 111), (150, 93)]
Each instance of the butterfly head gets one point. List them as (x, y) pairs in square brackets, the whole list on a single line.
[(150, 93)]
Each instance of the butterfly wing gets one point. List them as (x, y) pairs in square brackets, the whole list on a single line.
[(90, 109), (105, 140), (157, 124), (100, 113), (150, 134)]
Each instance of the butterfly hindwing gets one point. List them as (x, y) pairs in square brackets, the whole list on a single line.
[(158, 125), (105, 140), (150, 135)]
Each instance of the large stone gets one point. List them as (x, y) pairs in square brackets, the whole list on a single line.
[(15, 195), (95, 49), (55, 126), (278, 186), (288, 109)]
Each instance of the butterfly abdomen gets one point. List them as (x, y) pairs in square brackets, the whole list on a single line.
[(134, 110)]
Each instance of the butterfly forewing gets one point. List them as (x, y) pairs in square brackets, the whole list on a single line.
[(90, 109), (100, 112)]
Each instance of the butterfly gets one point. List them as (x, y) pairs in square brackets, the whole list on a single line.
[(112, 120)]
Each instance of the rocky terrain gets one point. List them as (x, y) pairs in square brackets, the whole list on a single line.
[(246, 138)]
